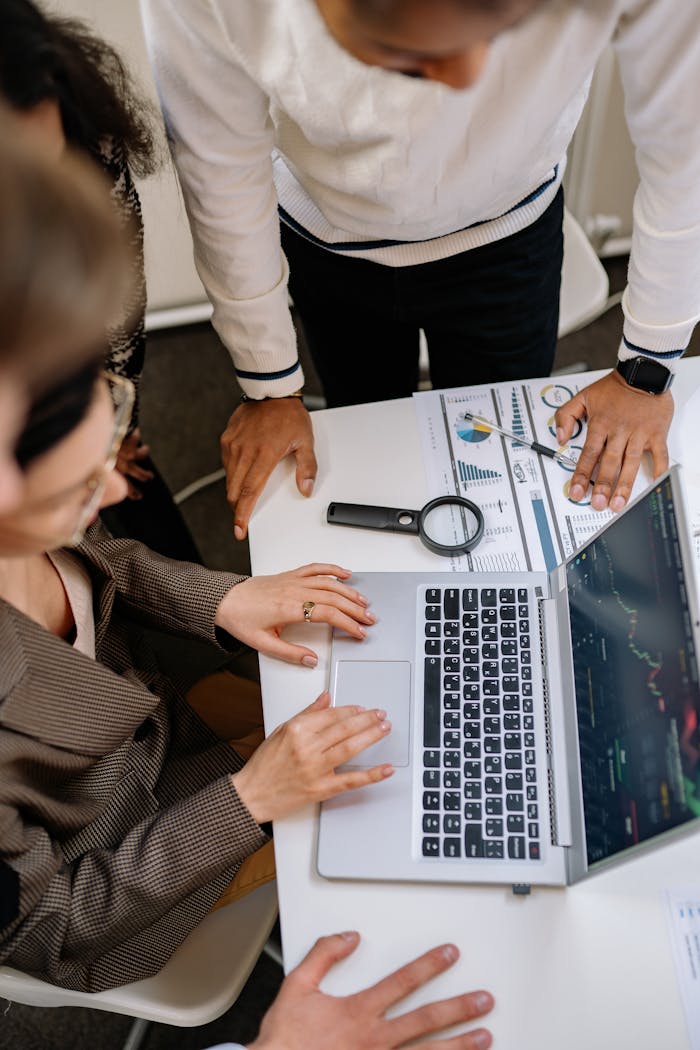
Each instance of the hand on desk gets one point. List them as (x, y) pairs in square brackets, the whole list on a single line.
[(296, 764), (304, 1018), (623, 423), (128, 457), (258, 435), (255, 611)]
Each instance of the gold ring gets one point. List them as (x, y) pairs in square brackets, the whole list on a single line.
[(308, 609)]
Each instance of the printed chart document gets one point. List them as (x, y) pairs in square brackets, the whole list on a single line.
[(683, 917), (530, 522)]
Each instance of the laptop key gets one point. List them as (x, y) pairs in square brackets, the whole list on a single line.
[(472, 790), (450, 646), (533, 830), (509, 647), (431, 847), (472, 770), (511, 721), (511, 702), (451, 665), (472, 710), (494, 805), (493, 849), (509, 665), (511, 683), (514, 782), (433, 612), (432, 596), (516, 824), (528, 722), (472, 749), (513, 741), (470, 638), (516, 847), (529, 739), (431, 702), (492, 745), (451, 720), (431, 778), (452, 824), (472, 811), (528, 705), (508, 630), (473, 842), (431, 822), (451, 701), (523, 612), (489, 651), (523, 626), (492, 764), (451, 629), (451, 760), (531, 792), (470, 655), (450, 603), (524, 641), (451, 779), (532, 811), (507, 612), (493, 785), (531, 775), (452, 847), (452, 738), (431, 800), (451, 800), (522, 594), (432, 630), (431, 759), (489, 633), (514, 802), (489, 597), (472, 730), (470, 599), (526, 674), (450, 683), (432, 647), (470, 691), (491, 687), (494, 828), (490, 669), (489, 616), (514, 760), (525, 657), (470, 621), (529, 757), (492, 725), (533, 850), (507, 595), (491, 705)]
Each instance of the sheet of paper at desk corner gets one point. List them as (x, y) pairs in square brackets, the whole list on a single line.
[(530, 523), (683, 921)]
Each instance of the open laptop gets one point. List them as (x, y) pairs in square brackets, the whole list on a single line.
[(544, 725)]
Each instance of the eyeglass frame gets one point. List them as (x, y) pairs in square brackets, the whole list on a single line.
[(95, 484)]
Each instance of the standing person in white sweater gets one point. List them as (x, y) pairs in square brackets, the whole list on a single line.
[(413, 151)]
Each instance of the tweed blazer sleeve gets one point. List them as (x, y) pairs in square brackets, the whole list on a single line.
[(176, 596), (112, 847)]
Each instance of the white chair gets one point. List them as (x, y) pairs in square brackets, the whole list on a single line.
[(199, 983)]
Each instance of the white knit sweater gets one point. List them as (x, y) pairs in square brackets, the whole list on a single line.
[(264, 109)]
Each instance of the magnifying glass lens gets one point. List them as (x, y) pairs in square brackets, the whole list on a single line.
[(451, 525)]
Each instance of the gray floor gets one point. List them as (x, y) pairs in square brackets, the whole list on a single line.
[(188, 393)]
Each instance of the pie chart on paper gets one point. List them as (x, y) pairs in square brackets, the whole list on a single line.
[(471, 431)]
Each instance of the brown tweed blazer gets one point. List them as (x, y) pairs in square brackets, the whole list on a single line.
[(118, 823)]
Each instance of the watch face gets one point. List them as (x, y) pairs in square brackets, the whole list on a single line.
[(648, 375)]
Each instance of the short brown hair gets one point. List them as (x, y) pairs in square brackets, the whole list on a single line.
[(64, 263)]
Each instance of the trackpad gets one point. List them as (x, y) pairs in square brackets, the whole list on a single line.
[(385, 684)]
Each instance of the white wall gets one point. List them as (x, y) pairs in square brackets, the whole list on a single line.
[(170, 273)]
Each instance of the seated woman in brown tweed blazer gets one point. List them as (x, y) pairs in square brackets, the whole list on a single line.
[(123, 817)]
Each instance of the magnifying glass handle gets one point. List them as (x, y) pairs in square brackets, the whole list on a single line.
[(360, 516)]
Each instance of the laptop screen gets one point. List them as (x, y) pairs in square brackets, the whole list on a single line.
[(637, 695)]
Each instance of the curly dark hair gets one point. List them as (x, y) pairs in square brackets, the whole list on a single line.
[(46, 57)]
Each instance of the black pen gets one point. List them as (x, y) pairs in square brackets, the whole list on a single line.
[(552, 453)]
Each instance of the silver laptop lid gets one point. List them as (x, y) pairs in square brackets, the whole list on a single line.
[(633, 615)]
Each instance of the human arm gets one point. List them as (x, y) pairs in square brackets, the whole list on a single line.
[(221, 137), (305, 1018), (658, 46)]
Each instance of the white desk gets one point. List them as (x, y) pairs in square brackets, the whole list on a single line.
[(575, 969)]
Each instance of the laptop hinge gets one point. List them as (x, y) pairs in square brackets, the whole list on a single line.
[(552, 691)]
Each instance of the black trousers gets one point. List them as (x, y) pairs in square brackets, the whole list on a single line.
[(489, 314), (154, 520)]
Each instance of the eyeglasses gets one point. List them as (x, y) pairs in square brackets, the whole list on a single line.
[(122, 394)]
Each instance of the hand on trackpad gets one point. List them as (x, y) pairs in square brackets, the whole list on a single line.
[(385, 684)]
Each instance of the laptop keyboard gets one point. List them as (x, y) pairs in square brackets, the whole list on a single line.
[(479, 780)]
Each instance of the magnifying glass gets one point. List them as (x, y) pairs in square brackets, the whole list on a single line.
[(447, 525)]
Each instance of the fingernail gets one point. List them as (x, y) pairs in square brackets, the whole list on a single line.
[(483, 1001), (238, 532), (450, 952), (362, 631), (599, 502), (576, 492), (370, 618), (481, 1039), (380, 715), (309, 661), (385, 727), (363, 601), (617, 503), (387, 771), (350, 935), (560, 435), (307, 486)]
